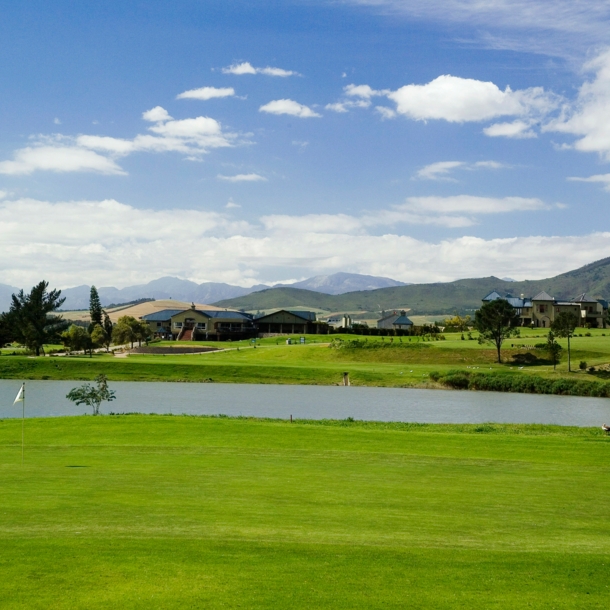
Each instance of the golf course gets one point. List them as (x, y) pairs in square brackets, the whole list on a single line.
[(322, 360), (213, 512)]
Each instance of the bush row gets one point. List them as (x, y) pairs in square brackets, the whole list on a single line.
[(524, 384)]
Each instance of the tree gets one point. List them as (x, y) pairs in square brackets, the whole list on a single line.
[(564, 325), (496, 321), (30, 317), (459, 323), (102, 334), (92, 396), (6, 332), (553, 348), (95, 309), (128, 330), (76, 338)]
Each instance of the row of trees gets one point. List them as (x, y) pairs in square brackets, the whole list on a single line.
[(32, 321)]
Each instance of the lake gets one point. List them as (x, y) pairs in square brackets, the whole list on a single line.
[(48, 399)]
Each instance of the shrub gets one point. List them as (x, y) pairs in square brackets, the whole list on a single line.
[(583, 365)]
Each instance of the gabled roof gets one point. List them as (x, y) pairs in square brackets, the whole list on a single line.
[(402, 320), (543, 296), (167, 314), (492, 296)]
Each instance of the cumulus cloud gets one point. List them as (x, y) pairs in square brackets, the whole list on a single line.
[(117, 244), (247, 68), (58, 158), (92, 153), (457, 100), (206, 93), (460, 100), (157, 114), (289, 107), (243, 178), (442, 170), (588, 117)]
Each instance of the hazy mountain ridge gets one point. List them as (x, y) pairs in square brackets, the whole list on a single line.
[(438, 298), (441, 297), (207, 292)]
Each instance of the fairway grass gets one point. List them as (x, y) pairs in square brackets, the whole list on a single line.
[(214, 512)]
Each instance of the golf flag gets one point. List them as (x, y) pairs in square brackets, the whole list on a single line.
[(20, 396)]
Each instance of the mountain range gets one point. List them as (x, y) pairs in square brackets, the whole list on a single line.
[(347, 292), (463, 296), (207, 292)]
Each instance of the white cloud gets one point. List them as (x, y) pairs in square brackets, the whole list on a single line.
[(243, 178), (588, 117), (247, 68), (3, 194), (460, 100), (288, 107), (206, 93), (386, 113), (441, 170), (346, 105), (452, 212), (473, 205), (116, 244), (56, 121), (232, 205), (438, 171), (58, 158), (91, 153), (516, 129), (600, 178), (157, 114)]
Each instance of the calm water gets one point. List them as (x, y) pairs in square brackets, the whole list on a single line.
[(48, 399)]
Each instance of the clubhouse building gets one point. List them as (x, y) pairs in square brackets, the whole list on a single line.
[(200, 324)]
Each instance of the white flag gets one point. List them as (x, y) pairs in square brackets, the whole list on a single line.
[(19, 396)]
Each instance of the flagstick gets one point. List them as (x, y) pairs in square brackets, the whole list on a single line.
[(22, 422)]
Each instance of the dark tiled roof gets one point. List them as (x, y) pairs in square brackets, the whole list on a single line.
[(402, 320), (310, 316), (163, 315), (228, 314)]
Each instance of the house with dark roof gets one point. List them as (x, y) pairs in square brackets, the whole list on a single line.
[(397, 320), (200, 324), (289, 321), (540, 311)]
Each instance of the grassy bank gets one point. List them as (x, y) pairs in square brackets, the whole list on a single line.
[(175, 512), (370, 361)]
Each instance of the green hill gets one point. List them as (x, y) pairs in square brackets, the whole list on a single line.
[(439, 298)]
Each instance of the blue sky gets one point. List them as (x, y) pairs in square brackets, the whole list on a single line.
[(424, 140)]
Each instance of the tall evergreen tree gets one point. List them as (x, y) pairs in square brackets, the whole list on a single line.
[(31, 317), (95, 309)]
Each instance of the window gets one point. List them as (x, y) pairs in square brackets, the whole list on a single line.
[(201, 325), (541, 308), (177, 324)]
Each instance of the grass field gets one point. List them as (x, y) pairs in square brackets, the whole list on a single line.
[(183, 512), (408, 364)]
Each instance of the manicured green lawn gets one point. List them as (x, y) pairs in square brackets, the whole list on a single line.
[(184, 512), (406, 363)]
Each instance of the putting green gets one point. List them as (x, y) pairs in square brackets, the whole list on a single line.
[(184, 512)]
